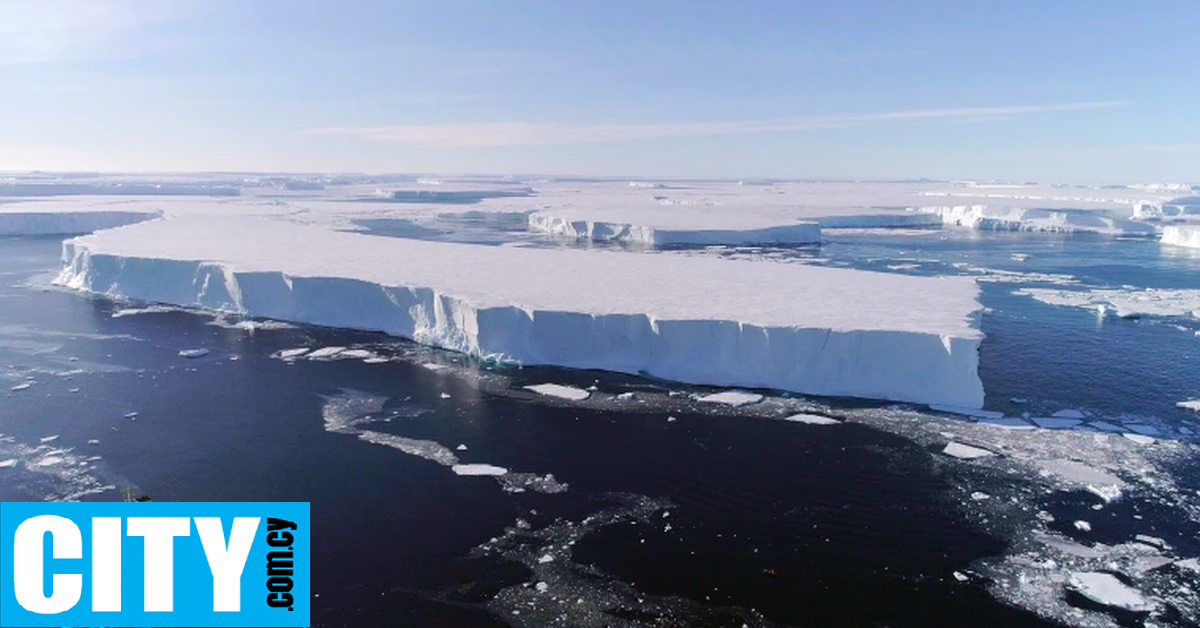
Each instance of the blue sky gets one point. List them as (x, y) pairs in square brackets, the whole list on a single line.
[(1046, 90)]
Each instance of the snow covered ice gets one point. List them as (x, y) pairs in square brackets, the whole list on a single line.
[(831, 331)]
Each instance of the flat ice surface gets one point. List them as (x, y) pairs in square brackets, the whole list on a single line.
[(560, 391), (478, 469), (1106, 589), (732, 398), (795, 327), (1191, 404), (1123, 302), (812, 419), (965, 452)]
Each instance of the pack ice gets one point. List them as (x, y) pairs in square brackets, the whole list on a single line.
[(807, 329)]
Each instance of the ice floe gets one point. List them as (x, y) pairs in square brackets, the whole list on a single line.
[(735, 398), (560, 391), (965, 452), (1104, 588), (812, 419), (478, 469), (1124, 302)]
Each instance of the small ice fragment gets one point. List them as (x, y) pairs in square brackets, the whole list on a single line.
[(1108, 492), (960, 576), (1019, 257), (592, 388), (1018, 400), (461, 448), (49, 439), (325, 352), (671, 419), (193, 353), (131, 415), (1068, 414), (1083, 525), (24, 386), (1140, 439), (625, 396), (287, 354), (5, 464), (375, 360), (541, 587), (980, 496), (73, 390), (562, 392), (1105, 426), (1106, 589), (545, 558), (478, 469), (1191, 404), (965, 452), (49, 461), (93, 442), (812, 419), (445, 395), (735, 398)]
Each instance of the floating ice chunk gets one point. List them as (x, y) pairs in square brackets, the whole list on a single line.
[(1106, 589), (426, 449), (49, 439), (671, 419), (325, 353), (1190, 563), (1055, 423), (1019, 257), (444, 395), (478, 469), (965, 452), (1069, 414), (735, 398), (1105, 426), (972, 412), (5, 464), (960, 576), (131, 415), (980, 496), (93, 442), (461, 448), (1091, 477), (625, 396), (541, 587), (1191, 404), (288, 354), (1011, 423), (1125, 302), (356, 354), (812, 419), (1140, 439), (1083, 525), (521, 482), (50, 461), (560, 391), (545, 558), (19, 387), (1108, 492), (193, 353), (1143, 429)]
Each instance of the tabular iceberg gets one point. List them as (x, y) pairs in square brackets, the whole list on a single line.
[(1182, 235), (37, 223), (812, 330)]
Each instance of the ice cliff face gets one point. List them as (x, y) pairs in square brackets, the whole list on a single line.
[(679, 318), (612, 231), (997, 218), (23, 223), (1182, 235)]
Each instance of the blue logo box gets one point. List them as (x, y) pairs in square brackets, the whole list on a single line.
[(154, 564)]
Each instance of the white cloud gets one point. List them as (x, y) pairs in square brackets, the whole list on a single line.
[(532, 133)]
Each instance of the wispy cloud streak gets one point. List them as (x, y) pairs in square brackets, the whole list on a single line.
[(533, 134)]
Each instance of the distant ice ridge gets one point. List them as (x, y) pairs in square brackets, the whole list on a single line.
[(35, 223), (657, 235), (805, 329), (1182, 235), (999, 218)]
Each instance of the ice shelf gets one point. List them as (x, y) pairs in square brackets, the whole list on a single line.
[(807, 329)]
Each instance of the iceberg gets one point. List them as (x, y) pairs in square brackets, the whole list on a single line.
[(562, 392), (677, 230), (39, 218), (1004, 218), (800, 328), (1104, 588), (1182, 235)]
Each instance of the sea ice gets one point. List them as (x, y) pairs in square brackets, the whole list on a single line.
[(560, 391), (20, 387), (1068, 414), (1124, 302), (478, 469), (49, 439), (812, 419), (193, 353), (1191, 404), (1083, 525), (1012, 423), (324, 353), (5, 464), (735, 398), (965, 452), (971, 412), (1055, 423), (1140, 439), (1104, 588), (1182, 235), (287, 354)]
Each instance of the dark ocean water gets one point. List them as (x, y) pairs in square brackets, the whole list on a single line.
[(673, 511)]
